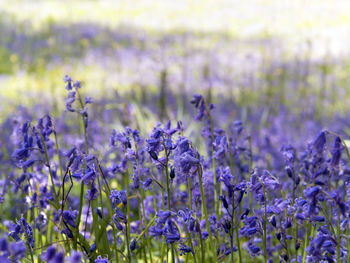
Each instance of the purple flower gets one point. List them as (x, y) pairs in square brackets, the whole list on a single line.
[(336, 152), (68, 82), (69, 217), (75, 257), (120, 214), (118, 197), (99, 259), (89, 176), (17, 250), (147, 184), (155, 231), (92, 193), (162, 216), (59, 258), (184, 249), (49, 254), (133, 245), (320, 141)]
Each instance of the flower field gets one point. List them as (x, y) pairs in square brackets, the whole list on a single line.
[(174, 132)]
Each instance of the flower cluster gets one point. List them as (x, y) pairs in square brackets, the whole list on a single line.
[(228, 193)]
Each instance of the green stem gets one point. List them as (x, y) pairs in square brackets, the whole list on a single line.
[(141, 227), (306, 239), (127, 244), (234, 217), (338, 234), (204, 207), (189, 188), (231, 244), (167, 181), (250, 170), (58, 154), (217, 207), (79, 214), (190, 240), (201, 242), (265, 221), (168, 193), (143, 213), (128, 213), (83, 124), (49, 166), (115, 245)]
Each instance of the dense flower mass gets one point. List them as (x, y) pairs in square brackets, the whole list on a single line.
[(82, 192)]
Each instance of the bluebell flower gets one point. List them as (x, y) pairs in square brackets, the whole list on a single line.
[(153, 155), (68, 82), (320, 245), (311, 192), (245, 213), (224, 201), (22, 226), (133, 245), (17, 250), (156, 231), (289, 153), (70, 100), (336, 152), (66, 231), (88, 100), (92, 194), (186, 163), (69, 217), (170, 232), (253, 249), (184, 249), (221, 147), (93, 247), (162, 216), (75, 257), (99, 259), (147, 184), (199, 103), (118, 225), (185, 215), (118, 197), (3, 244), (273, 221), (25, 165), (154, 143), (59, 257), (197, 98), (251, 226), (170, 131), (89, 176), (120, 214), (77, 84), (320, 142), (49, 254), (226, 225), (20, 154)]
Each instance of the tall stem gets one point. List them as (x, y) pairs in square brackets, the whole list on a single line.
[(189, 188), (338, 234), (128, 213), (250, 170), (217, 207), (204, 207), (265, 221), (234, 217), (49, 166)]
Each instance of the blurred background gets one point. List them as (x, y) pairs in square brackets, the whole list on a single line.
[(269, 56)]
